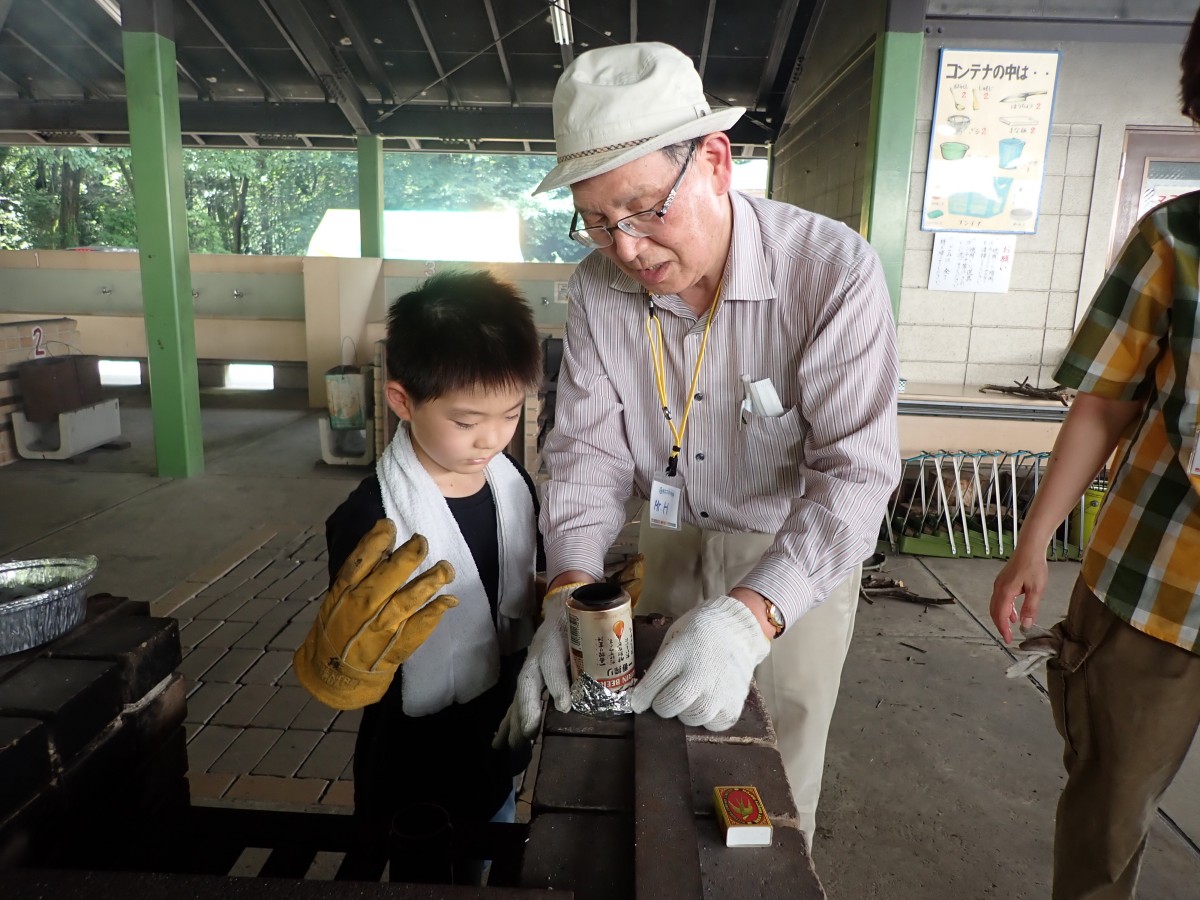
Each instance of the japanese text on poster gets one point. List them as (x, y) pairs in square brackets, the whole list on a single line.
[(971, 262), (988, 142)]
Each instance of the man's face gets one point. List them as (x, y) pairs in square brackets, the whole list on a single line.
[(688, 247)]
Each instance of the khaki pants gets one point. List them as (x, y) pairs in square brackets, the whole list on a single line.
[(799, 680), (1127, 706)]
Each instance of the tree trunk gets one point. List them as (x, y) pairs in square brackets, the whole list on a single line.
[(239, 215), (68, 206)]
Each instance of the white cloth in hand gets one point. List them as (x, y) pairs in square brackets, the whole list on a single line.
[(546, 666), (703, 669), (1040, 644)]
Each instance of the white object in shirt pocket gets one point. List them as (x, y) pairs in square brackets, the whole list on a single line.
[(770, 453)]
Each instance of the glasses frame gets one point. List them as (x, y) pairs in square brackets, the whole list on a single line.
[(584, 236)]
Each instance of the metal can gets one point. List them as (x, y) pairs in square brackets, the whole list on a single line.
[(600, 623)]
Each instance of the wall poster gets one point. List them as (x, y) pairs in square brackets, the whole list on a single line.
[(987, 150), (973, 263)]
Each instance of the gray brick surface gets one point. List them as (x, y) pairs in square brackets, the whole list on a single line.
[(282, 708), (242, 709), (328, 760), (269, 667), (288, 753), (207, 699), (208, 743), (232, 665), (246, 750)]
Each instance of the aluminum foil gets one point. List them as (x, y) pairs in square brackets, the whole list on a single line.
[(42, 599), (590, 697)]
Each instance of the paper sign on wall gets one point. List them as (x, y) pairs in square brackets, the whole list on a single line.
[(988, 141), (971, 262)]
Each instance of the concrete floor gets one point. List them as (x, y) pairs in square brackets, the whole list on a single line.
[(941, 777)]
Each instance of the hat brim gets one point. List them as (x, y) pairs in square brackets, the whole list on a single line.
[(575, 170)]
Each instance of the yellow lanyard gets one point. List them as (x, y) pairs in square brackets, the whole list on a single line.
[(654, 333)]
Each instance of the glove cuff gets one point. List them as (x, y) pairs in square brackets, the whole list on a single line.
[(559, 595), (325, 675), (739, 614)]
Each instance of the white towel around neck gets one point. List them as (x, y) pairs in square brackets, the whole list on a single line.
[(461, 658)]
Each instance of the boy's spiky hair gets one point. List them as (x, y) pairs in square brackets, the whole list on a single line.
[(462, 330)]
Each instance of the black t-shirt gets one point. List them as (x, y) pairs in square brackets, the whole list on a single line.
[(447, 757)]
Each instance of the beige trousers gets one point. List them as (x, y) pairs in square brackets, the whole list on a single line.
[(799, 679)]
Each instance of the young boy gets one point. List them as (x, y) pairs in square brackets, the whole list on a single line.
[(435, 678)]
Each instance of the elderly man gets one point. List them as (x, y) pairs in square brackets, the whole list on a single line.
[(732, 361)]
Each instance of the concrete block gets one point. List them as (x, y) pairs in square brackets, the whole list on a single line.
[(732, 764), (608, 786), (208, 744), (242, 708), (933, 343), (587, 854), (1081, 155), (1077, 195), (916, 268), (247, 749), (1031, 272), (159, 716), (1044, 240), (783, 871), (1067, 269), (1056, 155), (287, 754), (1016, 308), (24, 761), (1060, 312), (920, 306), (933, 372), (146, 650), (232, 665), (75, 698), (1055, 345), (328, 760), (283, 707), (1072, 233), (1010, 346), (272, 789)]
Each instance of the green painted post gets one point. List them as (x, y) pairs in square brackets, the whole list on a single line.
[(896, 90), (370, 194), (154, 137)]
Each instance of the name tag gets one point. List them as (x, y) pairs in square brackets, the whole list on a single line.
[(665, 501)]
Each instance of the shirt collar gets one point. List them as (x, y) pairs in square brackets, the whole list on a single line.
[(747, 276)]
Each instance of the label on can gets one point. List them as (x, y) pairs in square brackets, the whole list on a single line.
[(602, 642)]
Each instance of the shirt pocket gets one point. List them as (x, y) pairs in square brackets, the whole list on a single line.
[(770, 454)]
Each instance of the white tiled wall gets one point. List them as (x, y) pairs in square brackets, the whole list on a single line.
[(968, 339)]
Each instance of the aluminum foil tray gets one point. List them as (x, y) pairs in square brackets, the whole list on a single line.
[(41, 599)]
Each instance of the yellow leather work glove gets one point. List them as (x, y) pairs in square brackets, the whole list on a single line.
[(629, 577), (372, 619)]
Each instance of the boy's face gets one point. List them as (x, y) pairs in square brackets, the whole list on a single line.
[(459, 432)]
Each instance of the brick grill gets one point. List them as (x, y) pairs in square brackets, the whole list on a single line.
[(93, 777)]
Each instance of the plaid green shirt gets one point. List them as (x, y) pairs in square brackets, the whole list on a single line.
[(1139, 341)]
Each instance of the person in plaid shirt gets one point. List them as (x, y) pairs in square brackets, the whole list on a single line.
[(1125, 686)]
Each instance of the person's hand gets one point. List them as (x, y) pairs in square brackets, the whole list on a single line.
[(546, 666), (372, 619), (1025, 573), (703, 670)]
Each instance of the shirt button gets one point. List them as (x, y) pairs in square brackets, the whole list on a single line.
[(703, 514), (699, 397), (699, 456)]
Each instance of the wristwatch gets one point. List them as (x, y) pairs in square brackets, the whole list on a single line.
[(775, 617)]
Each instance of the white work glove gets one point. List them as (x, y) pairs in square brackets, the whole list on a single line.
[(546, 665), (702, 672)]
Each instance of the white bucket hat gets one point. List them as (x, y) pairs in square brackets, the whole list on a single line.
[(616, 104)]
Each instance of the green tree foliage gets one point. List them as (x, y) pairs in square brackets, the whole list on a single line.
[(261, 201)]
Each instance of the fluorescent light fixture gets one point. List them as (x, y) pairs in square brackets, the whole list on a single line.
[(560, 21), (120, 371), (250, 376), (112, 9)]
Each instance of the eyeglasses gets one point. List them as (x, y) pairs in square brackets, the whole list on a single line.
[(638, 225)]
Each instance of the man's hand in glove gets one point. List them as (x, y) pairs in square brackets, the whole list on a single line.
[(702, 672), (545, 666), (372, 619)]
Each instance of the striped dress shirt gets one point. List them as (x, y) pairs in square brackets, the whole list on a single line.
[(804, 304), (1140, 340)]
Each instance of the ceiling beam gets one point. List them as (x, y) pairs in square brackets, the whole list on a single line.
[(218, 29), (633, 19), (96, 48), (363, 48), (314, 119), (708, 24), (451, 92), (5, 6), (508, 79), (784, 23), (287, 38), (86, 86), (306, 39)]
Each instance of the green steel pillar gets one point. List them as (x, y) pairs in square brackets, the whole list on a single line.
[(148, 44), (898, 55), (370, 194)]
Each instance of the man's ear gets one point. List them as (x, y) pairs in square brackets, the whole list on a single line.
[(399, 401), (717, 155)]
